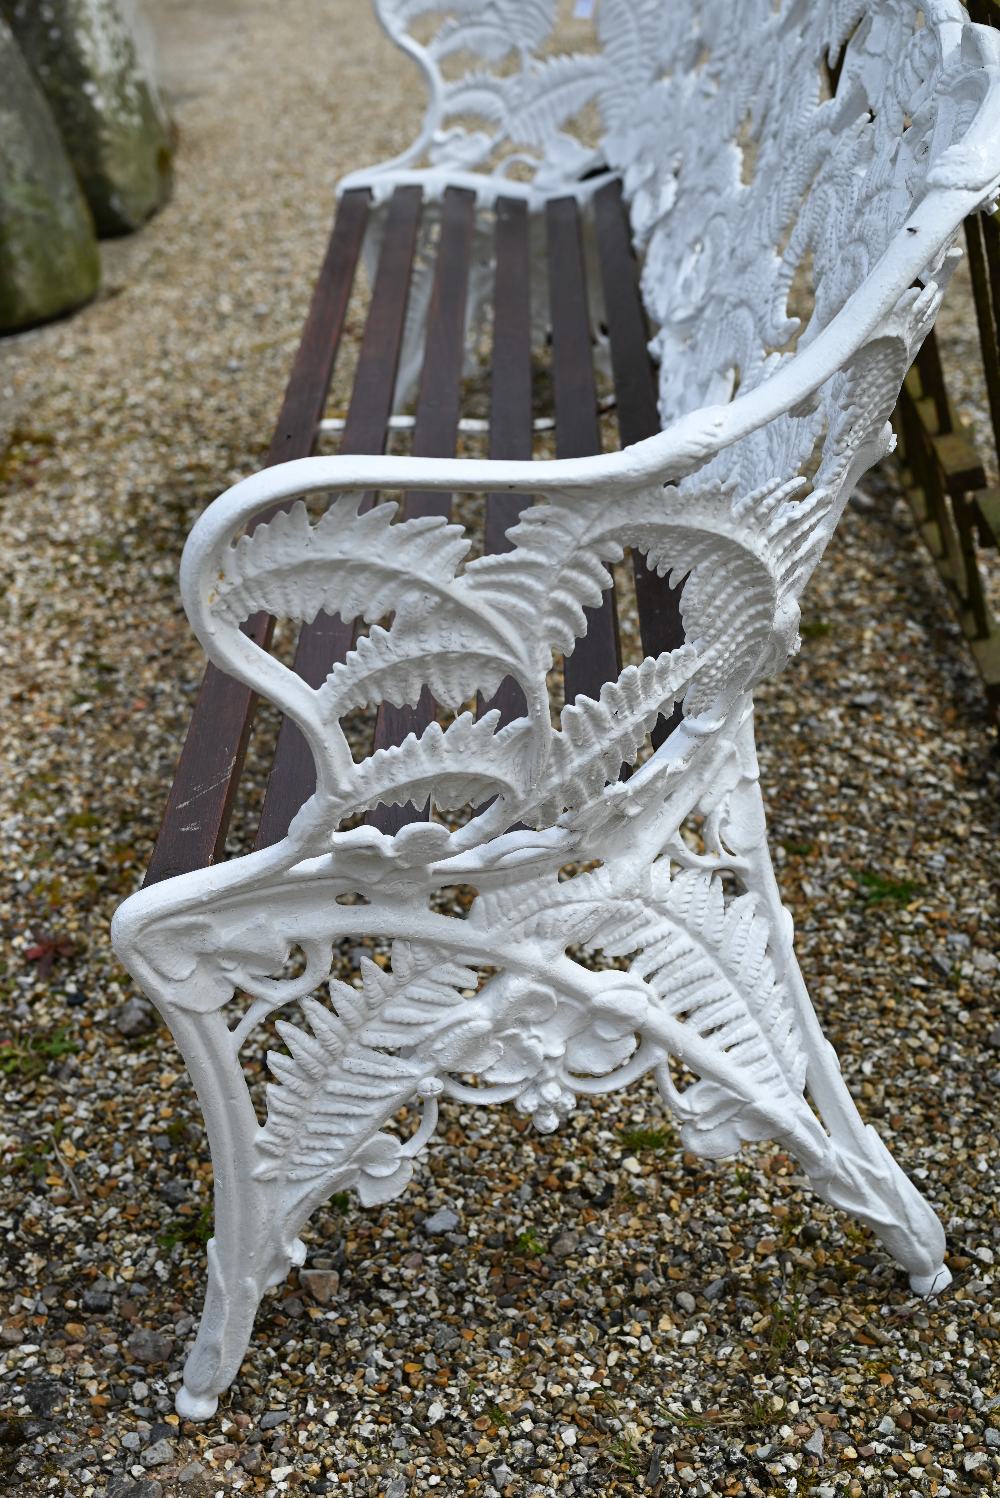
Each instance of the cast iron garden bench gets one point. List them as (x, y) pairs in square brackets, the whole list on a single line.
[(755, 156)]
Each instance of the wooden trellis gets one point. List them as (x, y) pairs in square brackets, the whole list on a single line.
[(958, 511)]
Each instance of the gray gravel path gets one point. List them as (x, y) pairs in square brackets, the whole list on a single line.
[(594, 1312)]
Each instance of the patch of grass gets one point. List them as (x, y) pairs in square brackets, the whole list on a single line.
[(751, 1414), (500, 1417), (744, 1178), (797, 850), (529, 1245), (624, 1453), (787, 1326), (195, 1229), (34, 1158), (82, 821), (875, 889), (176, 1132), (638, 1140), (340, 1201), (31, 1058), (815, 629)]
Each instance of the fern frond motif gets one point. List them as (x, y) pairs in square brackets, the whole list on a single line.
[(632, 43), (707, 962), (532, 107), (339, 1082), (355, 564), (707, 959), (386, 666), (466, 763), (556, 571), (596, 739)]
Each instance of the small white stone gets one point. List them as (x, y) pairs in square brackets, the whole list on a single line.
[(568, 1435), (280, 1473), (692, 1335), (435, 1412), (631, 1164)]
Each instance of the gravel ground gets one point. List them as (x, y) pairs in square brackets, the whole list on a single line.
[(594, 1312)]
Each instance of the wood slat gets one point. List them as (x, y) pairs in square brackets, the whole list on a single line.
[(199, 805), (435, 433), (510, 399), (660, 624), (596, 657), (328, 639)]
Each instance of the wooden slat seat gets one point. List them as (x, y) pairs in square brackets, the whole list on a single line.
[(205, 789)]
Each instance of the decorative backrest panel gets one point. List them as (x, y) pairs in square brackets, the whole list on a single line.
[(748, 178)]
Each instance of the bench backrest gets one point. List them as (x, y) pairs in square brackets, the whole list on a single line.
[(768, 152), (772, 152)]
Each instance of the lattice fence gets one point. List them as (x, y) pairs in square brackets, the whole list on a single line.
[(949, 473)]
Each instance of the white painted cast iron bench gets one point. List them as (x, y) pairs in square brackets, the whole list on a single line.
[(753, 153)]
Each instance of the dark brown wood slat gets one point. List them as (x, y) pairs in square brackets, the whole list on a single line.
[(660, 624), (328, 639), (434, 435), (595, 659), (510, 399), (200, 802)]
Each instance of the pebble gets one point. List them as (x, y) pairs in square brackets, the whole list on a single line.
[(146, 1346), (814, 1443), (322, 1284), (272, 1419), (158, 1454), (686, 1301), (135, 1017), (442, 1221)]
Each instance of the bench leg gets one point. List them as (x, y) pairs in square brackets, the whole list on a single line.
[(864, 1179), (251, 1248), (846, 1162)]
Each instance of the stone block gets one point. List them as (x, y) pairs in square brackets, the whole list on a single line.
[(49, 260), (84, 55)]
